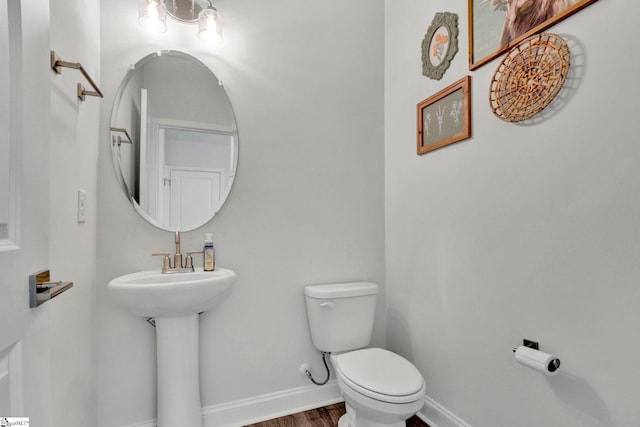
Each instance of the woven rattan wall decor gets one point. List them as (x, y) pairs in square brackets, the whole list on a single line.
[(529, 77)]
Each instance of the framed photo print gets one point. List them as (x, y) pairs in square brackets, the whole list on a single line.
[(445, 117), (496, 26)]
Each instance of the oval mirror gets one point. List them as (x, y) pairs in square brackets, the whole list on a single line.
[(174, 140)]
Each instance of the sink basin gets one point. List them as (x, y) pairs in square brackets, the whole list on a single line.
[(153, 294), (174, 300)]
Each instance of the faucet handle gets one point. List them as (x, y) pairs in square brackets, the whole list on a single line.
[(166, 261), (188, 263)]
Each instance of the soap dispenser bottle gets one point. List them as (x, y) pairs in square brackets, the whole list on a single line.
[(208, 253)]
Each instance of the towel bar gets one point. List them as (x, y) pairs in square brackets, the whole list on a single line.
[(57, 64)]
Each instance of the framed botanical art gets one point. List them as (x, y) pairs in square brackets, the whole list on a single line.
[(445, 118), (496, 26), (440, 45)]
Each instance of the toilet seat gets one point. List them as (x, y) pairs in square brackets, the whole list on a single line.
[(380, 375)]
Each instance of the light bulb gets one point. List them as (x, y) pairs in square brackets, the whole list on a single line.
[(152, 16), (209, 26)]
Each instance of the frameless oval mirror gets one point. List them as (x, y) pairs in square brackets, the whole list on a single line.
[(174, 140)]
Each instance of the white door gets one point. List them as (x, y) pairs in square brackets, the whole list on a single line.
[(25, 250), (144, 147), (195, 194)]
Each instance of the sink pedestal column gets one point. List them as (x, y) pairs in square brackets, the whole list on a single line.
[(178, 371)]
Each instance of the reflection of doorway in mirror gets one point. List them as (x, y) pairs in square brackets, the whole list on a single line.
[(189, 170)]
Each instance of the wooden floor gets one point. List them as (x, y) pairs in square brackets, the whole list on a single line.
[(321, 417)]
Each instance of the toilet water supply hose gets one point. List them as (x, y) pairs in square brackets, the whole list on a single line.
[(324, 360)]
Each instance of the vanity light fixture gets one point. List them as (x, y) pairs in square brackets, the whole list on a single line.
[(152, 14), (209, 25)]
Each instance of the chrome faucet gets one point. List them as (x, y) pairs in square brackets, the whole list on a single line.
[(178, 266)]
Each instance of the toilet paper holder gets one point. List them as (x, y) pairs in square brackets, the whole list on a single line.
[(529, 354), (528, 343)]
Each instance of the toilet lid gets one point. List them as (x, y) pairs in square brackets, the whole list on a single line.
[(381, 372)]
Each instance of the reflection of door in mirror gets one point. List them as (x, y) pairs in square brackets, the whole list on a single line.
[(187, 169), (193, 194)]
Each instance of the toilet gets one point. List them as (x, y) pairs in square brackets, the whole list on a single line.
[(380, 388)]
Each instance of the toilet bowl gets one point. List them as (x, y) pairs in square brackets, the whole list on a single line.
[(380, 388)]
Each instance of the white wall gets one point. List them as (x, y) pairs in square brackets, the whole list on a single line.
[(195, 149), (196, 95), (523, 231), (73, 152), (306, 82)]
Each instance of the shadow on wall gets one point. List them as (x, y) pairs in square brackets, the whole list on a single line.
[(398, 338), (577, 393), (573, 391)]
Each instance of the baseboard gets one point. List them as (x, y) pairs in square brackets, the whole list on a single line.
[(268, 406), (273, 405), (437, 415), (152, 423), (265, 407)]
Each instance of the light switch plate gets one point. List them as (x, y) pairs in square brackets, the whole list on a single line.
[(82, 209)]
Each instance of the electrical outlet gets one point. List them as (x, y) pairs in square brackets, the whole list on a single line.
[(82, 206)]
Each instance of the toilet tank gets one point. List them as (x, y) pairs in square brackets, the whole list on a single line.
[(341, 315)]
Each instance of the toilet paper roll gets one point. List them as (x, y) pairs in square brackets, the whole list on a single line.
[(538, 360)]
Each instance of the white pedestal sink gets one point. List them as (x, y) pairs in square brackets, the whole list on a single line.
[(174, 300)]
